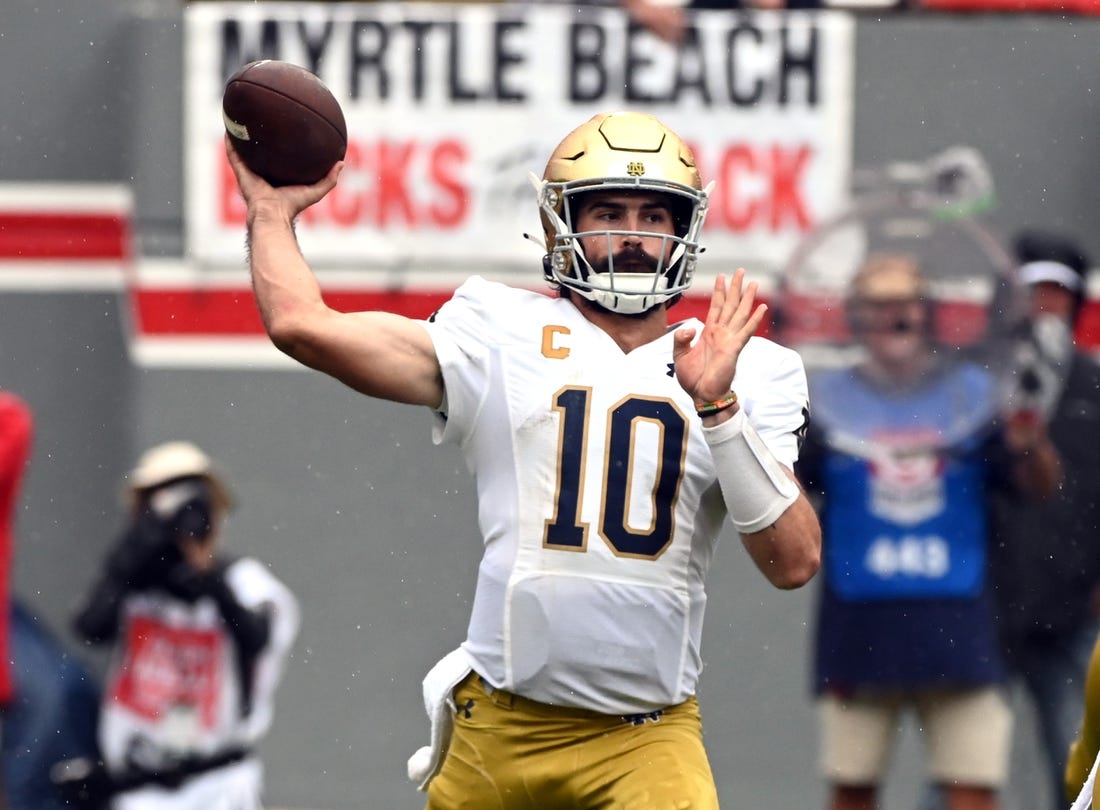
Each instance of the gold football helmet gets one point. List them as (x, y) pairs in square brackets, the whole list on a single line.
[(625, 151)]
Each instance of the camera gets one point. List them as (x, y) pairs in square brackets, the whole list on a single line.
[(185, 508)]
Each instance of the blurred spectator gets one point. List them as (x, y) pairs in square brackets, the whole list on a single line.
[(199, 643), (51, 716), (901, 449), (668, 19), (760, 4), (49, 700), (665, 19), (16, 430), (1047, 563)]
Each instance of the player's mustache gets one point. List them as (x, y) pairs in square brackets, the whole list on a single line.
[(634, 258)]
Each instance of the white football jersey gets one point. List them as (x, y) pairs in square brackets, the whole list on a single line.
[(174, 686), (598, 502)]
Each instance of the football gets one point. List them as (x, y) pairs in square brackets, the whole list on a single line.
[(285, 124)]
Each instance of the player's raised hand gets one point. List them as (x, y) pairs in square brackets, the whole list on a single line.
[(291, 200), (706, 369)]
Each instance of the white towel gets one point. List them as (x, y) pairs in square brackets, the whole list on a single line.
[(439, 685)]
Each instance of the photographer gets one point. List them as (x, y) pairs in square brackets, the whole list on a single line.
[(199, 643), (1047, 567)]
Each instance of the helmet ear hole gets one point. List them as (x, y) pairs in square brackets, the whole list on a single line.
[(548, 268)]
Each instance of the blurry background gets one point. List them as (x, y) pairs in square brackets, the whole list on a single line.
[(346, 498)]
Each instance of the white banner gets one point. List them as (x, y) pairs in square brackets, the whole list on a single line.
[(450, 106)]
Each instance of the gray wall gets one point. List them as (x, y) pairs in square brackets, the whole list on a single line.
[(1019, 88), (345, 497)]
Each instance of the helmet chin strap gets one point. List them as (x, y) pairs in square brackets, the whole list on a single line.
[(628, 293), (622, 304)]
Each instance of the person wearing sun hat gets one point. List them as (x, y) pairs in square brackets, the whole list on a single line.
[(176, 460), (198, 641), (1047, 563)]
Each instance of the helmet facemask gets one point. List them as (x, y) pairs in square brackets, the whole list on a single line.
[(651, 159)]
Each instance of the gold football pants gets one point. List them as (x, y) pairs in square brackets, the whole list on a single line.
[(510, 753)]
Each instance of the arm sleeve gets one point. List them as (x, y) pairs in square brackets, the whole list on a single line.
[(97, 620), (753, 451), (141, 556), (460, 335), (249, 626), (257, 590)]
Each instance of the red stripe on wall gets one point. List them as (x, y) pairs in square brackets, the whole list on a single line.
[(231, 311), (1015, 6), (84, 236), (206, 311)]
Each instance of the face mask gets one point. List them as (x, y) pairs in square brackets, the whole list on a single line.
[(1054, 338)]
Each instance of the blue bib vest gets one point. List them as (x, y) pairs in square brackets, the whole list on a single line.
[(905, 515)]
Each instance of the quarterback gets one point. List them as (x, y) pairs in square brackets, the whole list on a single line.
[(608, 446)]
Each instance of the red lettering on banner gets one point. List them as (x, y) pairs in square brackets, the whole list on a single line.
[(447, 158), (759, 187), (787, 176), (169, 666), (345, 204), (736, 164), (231, 209), (384, 184), (391, 166)]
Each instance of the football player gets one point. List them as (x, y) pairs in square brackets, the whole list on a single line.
[(608, 446)]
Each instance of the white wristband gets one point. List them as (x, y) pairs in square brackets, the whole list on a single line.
[(755, 487)]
